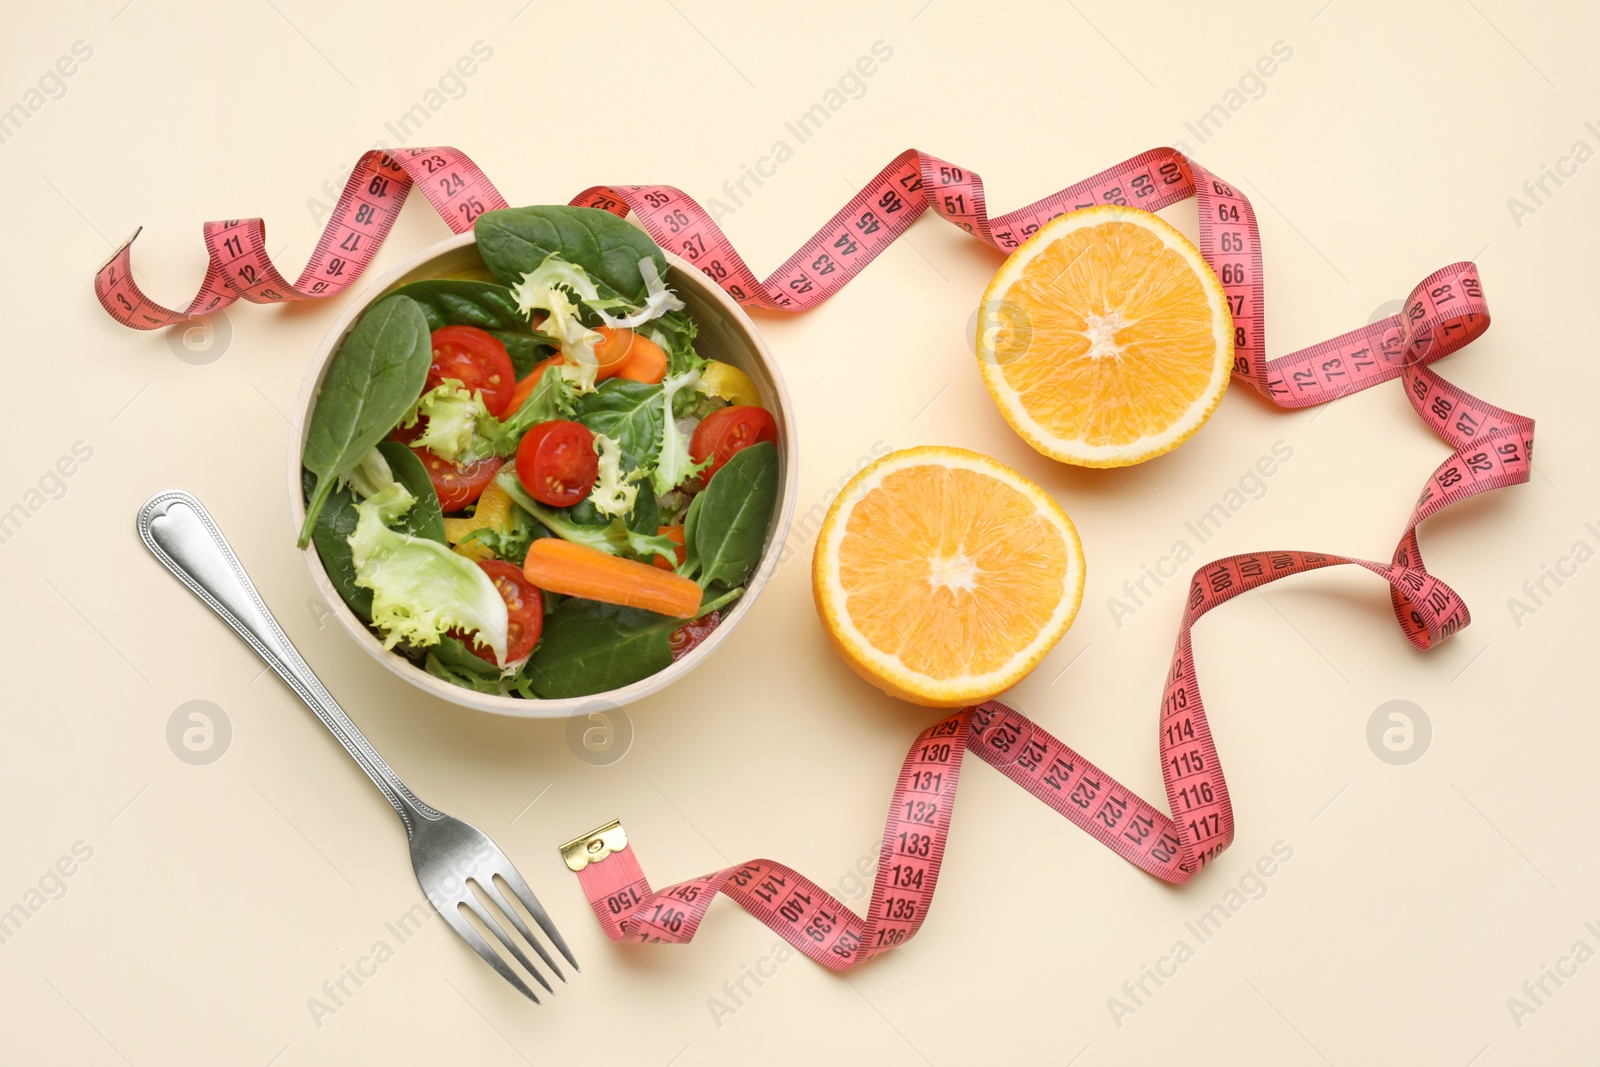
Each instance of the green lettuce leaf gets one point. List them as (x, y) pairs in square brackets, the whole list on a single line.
[(614, 537), (673, 464), (549, 288), (552, 398), (675, 332), (420, 588), (453, 416), (614, 493), (455, 663)]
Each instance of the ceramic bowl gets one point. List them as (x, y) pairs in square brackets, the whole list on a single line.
[(726, 333)]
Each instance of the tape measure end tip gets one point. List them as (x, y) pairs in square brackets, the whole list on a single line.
[(594, 846)]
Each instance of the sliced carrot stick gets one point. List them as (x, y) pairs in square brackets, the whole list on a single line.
[(675, 535), (527, 385), (578, 570), (645, 363), (611, 356), (615, 349)]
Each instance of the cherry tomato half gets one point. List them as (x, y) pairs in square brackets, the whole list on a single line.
[(684, 639), (407, 434), (556, 462), (524, 610), (477, 360), (722, 433), (458, 484)]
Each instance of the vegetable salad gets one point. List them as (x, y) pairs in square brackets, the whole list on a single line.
[(539, 488)]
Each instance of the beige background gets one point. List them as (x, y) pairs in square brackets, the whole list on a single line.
[(219, 898)]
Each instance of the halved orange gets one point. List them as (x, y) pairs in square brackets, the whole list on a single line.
[(1105, 339), (943, 577)]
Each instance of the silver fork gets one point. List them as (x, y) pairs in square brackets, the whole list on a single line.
[(449, 856)]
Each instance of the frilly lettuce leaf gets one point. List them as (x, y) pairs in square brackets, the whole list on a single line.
[(552, 286), (453, 415), (372, 475), (614, 537), (421, 589), (552, 398), (674, 333), (673, 464), (658, 300), (614, 494), (546, 288)]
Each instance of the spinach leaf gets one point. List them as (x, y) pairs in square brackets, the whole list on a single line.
[(375, 378), (646, 514), (731, 527), (331, 535), (459, 301), (455, 663), (720, 601), (513, 241), (691, 550), (491, 307), (629, 413), (525, 349), (644, 518), (590, 647), (424, 519)]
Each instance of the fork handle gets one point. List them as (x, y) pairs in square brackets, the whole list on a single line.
[(186, 540)]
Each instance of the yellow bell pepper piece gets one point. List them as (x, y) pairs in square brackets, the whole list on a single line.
[(730, 383), (494, 513), (456, 532), (494, 509)]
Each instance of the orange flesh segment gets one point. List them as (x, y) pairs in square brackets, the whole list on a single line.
[(1121, 338), (949, 570)]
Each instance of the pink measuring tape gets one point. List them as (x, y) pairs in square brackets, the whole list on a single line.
[(240, 266), (1491, 448)]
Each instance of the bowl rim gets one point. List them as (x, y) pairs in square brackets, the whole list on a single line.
[(682, 274)]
